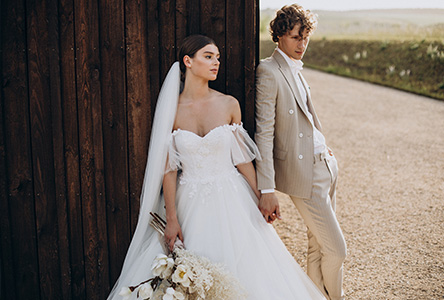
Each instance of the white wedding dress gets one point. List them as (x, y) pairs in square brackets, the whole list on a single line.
[(216, 208), (218, 213)]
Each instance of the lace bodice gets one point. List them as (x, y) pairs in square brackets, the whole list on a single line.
[(206, 158)]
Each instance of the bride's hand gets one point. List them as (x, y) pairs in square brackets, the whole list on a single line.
[(269, 207), (172, 231)]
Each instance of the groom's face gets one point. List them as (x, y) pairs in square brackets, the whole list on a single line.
[(293, 44)]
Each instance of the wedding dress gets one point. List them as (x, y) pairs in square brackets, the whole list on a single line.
[(216, 208), (218, 213)]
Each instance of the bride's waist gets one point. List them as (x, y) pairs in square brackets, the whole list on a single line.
[(195, 176)]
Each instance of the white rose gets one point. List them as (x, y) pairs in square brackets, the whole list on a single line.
[(125, 292), (179, 296), (162, 266), (172, 294), (169, 294), (182, 275), (145, 291)]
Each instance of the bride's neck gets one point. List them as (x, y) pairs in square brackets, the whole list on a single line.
[(195, 88)]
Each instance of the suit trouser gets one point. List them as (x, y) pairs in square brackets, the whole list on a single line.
[(326, 243)]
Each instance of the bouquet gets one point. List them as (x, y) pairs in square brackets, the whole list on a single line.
[(182, 275)]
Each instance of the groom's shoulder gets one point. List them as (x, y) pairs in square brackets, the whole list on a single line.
[(268, 64), (267, 61)]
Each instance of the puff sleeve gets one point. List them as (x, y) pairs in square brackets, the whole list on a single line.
[(243, 149)]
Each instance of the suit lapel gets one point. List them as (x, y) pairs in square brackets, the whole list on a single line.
[(316, 121), (286, 72)]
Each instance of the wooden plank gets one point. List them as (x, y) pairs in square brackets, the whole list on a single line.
[(251, 37), (154, 46), (58, 150), (6, 254), (193, 17), (167, 25), (112, 53), (181, 24), (234, 51), (6, 261), (42, 149), (138, 101), (91, 148), (71, 148), (213, 25), (25, 273)]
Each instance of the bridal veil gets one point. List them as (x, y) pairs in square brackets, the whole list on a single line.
[(145, 242)]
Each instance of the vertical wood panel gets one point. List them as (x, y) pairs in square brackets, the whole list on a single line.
[(91, 148), (6, 257), (24, 259), (42, 149), (154, 48), (71, 147), (251, 52), (234, 50), (193, 18), (212, 18), (58, 149), (138, 97), (112, 53), (167, 26), (181, 24), (6, 262)]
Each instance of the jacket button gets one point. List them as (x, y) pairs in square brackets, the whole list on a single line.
[(291, 111), (301, 134), (301, 156)]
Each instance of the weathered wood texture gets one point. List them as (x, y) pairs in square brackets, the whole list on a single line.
[(79, 83)]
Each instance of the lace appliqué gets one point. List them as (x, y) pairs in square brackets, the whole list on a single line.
[(208, 162)]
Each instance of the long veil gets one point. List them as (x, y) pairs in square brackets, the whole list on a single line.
[(145, 243)]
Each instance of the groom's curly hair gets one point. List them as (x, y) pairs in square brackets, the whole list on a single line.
[(290, 15)]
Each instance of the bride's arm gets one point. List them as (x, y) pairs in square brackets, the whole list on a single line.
[(250, 174), (246, 169), (172, 229)]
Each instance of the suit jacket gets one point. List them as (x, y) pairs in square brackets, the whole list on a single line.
[(284, 133)]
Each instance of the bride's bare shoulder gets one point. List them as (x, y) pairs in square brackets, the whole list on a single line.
[(224, 98)]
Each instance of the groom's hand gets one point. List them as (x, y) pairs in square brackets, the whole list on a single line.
[(269, 207)]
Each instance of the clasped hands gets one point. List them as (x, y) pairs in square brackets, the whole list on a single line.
[(269, 207)]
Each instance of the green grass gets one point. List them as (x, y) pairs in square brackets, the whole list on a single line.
[(400, 48), (390, 24), (414, 66)]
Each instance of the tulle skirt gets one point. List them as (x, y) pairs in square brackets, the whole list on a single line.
[(221, 221)]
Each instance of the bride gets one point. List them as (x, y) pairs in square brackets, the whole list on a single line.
[(200, 150)]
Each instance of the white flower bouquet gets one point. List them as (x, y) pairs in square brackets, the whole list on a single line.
[(182, 275)]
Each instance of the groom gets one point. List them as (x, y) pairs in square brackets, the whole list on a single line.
[(295, 157)]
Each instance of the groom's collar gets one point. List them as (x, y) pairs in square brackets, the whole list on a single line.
[(295, 65), (284, 61)]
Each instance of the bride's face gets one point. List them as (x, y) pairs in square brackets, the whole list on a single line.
[(205, 62)]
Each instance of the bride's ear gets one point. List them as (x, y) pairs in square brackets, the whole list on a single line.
[(187, 61)]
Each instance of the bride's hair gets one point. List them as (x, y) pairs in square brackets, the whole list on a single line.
[(190, 46)]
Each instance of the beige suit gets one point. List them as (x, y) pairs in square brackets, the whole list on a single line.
[(284, 133), (284, 136)]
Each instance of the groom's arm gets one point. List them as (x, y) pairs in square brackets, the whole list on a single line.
[(266, 93)]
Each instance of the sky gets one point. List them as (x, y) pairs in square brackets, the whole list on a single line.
[(353, 4)]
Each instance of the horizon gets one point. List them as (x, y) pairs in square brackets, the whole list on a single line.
[(350, 5), (368, 9)]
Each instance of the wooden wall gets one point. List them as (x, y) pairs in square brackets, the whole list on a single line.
[(79, 82)]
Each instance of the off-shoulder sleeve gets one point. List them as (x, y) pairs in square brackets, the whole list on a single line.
[(243, 149), (173, 158)]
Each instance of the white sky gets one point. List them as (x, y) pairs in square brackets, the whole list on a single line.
[(353, 4)]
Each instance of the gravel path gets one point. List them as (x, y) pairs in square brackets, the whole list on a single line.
[(390, 149)]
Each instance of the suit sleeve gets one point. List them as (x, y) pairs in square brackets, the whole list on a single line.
[(266, 94)]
